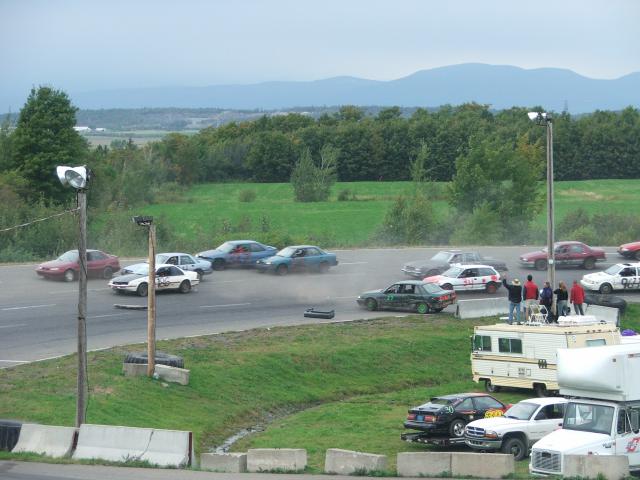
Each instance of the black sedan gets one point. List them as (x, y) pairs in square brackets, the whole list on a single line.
[(444, 259), (408, 295), (448, 415)]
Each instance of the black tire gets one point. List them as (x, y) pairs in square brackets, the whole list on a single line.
[(491, 287), (541, 265), (516, 447), (200, 275), (456, 429), (142, 290), (324, 267), (371, 304), (185, 286), (589, 263), (540, 390), (107, 273), (606, 301), (490, 387), (422, 308), (69, 275), (605, 289), (219, 264), (282, 270), (161, 358), (447, 286)]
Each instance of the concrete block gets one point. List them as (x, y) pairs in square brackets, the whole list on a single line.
[(346, 462), (612, 467), (224, 462), (424, 464), (169, 448), (48, 440), (281, 459), (481, 307), (483, 465), (117, 444), (134, 369), (172, 374)]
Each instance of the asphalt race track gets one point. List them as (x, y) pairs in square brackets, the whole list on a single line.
[(38, 317)]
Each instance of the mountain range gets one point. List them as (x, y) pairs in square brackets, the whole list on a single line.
[(497, 85)]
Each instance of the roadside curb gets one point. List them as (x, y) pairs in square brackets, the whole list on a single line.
[(130, 307)]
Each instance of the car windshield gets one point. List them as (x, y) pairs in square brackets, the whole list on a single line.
[(441, 257), (286, 252), (162, 258), (440, 401), (453, 272), (521, 411), (70, 256), (587, 417), (139, 269), (226, 247), (431, 287), (613, 269)]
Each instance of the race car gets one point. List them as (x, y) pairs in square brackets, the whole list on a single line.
[(168, 277), (468, 277)]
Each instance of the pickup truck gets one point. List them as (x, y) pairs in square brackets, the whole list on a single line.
[(518, 429)]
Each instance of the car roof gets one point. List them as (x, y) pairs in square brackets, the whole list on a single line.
[(570, 242), (453, 396), (629, 264), (545, 400), (235, 242), (472, 265), (412, 282), (302, 246), (174, 253)]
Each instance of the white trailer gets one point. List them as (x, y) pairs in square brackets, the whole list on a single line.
[(604, 416), (525, 356)]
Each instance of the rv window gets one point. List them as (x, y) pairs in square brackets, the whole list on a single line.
[(596, 342), (623, 422), (481, 343), (510, 345)]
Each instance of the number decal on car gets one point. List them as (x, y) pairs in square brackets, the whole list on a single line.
[(493, 413)]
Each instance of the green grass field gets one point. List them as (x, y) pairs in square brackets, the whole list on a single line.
[(343, 385)]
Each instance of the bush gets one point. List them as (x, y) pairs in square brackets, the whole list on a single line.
[(247, 195), (410, 220), (482, 226), (346, 195)]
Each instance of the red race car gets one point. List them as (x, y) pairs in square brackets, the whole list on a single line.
[(570, 254), (67, 266), (630, 250)]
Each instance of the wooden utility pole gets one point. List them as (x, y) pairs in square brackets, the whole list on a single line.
[(151, 304), (81, 403), (551, 262)]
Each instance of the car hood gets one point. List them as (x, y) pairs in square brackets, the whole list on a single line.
[(630, 245), (371, 292), (128, 278), (559, 441), (56, 264), (598, 276), (496, 422), (272, 259), (215, 253), (536, 254), (438, 279)]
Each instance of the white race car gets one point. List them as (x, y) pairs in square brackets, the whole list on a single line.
[(168, 277), (468, 277), (621, 276)]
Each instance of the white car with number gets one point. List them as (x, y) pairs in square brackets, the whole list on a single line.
[(182, 260), (468, 277), (621, 276), (519, 428), (168, 277)]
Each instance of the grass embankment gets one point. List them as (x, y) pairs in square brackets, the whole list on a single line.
[(343, 385)]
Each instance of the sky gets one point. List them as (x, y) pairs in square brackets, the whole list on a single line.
[(81, 46)]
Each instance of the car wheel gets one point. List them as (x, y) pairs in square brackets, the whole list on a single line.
[(541, 264), (447, 286), (605, 288), (107, 273), (516, 447), (491, 287), (143, 290), (589, 263), (456, 429), (540, 390), (185, 286), (490, 387), (422, 308), (200, 275), (324, 267), (69, 276), (218, 264), (282, 270), (371, 304)]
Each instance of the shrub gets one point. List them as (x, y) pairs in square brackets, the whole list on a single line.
[(410, 220), (346, 195), (247, 195)]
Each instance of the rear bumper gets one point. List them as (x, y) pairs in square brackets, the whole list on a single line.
[(434, 428)]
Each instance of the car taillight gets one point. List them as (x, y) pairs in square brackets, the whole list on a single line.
[(411, 416), (430, 418)]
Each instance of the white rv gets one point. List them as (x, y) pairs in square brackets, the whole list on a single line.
[(604, 419), (525, 356)]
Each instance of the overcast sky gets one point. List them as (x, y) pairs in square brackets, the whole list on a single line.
[(88, 45)]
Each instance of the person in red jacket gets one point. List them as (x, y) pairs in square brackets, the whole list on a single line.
[(529, 295), (577, 297)]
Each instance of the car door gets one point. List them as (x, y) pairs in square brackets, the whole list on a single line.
[(561, 255), (391, 297), (470, 279), (312, 258), (547, 419), (627, 437), (577, 254), (187, 262), (627, 278), (163, 278), (94, 264), (256, 252)]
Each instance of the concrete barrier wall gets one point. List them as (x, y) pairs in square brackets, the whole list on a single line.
[(483, 465), (282, 459), (224, 462), (481, 307), (172, 374), (117, 444), (612, 467), (45, 439), (424, 464), (346, 462), (169, 448)]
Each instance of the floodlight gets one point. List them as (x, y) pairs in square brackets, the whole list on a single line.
[(144, 220), (533, 115), (77, 177)]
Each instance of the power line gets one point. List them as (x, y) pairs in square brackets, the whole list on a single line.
[(15, 227)]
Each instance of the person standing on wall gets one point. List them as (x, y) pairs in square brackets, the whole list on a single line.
[(515, 297), (546, 299), (577, 297), (530, 295), (562, 297)]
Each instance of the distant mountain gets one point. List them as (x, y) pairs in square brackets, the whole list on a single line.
[(499, 86)]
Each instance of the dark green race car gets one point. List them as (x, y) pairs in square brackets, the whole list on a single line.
[(411, 295)]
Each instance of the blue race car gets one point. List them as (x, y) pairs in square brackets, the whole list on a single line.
[(298, 257), (237, 253)]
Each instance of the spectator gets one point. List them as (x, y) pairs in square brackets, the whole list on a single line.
[(562, 297), (515, 297), (577, 297), (530, 295), (546, 299)]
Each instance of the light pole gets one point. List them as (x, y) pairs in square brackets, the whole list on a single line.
[(544, 119), (147, 221), (78, 178)]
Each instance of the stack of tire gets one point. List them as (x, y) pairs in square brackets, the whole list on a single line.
[(161, 359)]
